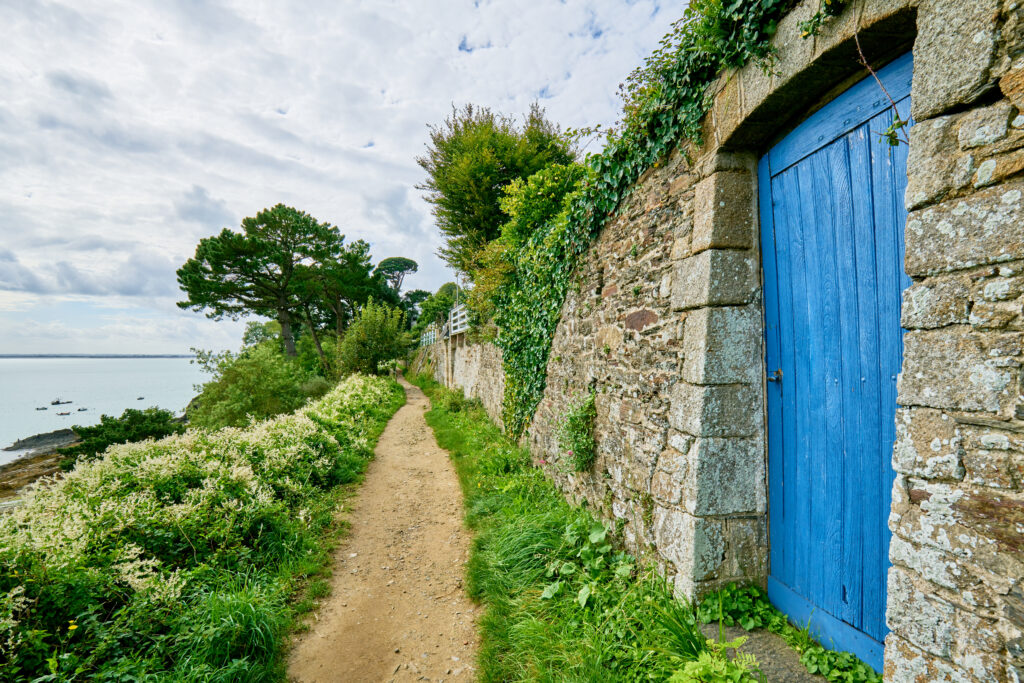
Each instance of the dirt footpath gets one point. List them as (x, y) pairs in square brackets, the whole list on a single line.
[(398, 610)]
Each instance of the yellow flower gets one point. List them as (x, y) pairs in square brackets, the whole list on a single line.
[(72, 627)]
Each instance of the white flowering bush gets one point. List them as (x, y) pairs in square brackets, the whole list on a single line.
[(174, 559)]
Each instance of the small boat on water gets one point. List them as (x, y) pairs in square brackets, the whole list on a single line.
[(58, 402), (82, 410), (42, 408), (68, 413), (140, 398)]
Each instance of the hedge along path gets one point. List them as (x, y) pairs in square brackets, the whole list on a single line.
[(397, 610)]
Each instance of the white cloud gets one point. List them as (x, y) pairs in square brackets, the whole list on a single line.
[(129, 130)]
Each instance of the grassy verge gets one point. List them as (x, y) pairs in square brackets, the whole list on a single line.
[(187, 558), (562, 604)]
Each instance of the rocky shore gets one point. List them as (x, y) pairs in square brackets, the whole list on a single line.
[(40, 459)]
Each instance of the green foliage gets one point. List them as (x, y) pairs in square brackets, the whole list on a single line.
[(256, 332), (576, 433), (133, 425), (531, 205), (375, 336), (256, 383), (470, 158), (827, 10), (749, 608), (529, 301), (412, 302), (177, 560), (562, 603), (715, 665), (435, 308)]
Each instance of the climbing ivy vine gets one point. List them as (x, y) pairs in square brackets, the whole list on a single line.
[(664, 102)]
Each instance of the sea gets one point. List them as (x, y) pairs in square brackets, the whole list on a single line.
[(99, 385)]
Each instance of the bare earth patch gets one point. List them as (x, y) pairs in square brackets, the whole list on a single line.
[(398, 610)]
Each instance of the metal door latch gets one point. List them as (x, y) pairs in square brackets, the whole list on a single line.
[(775, 376)]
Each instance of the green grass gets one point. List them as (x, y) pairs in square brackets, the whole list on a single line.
[(561, 602), (534, 557)]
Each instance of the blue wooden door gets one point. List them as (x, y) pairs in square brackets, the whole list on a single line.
[(832, 217)]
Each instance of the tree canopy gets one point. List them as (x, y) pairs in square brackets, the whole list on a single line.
[(286, 265), (258, 271), (394, 270), (469, 159)]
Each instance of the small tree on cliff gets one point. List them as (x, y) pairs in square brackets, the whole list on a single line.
[(260, 271), (394, 270), (377, 334)]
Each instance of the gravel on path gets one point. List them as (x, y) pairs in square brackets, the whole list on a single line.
[(398, 610)]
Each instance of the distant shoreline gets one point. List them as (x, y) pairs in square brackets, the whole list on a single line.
[(97, 355)]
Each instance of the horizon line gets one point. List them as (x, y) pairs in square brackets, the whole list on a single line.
[(97, 355)]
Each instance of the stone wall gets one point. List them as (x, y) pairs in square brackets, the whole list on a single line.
[(955, 600), (474, 368), (665, 325)]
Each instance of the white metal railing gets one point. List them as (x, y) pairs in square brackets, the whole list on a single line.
[(429, 335), (458, 320)]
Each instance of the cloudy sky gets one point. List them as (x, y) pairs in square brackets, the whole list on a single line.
[(128, 131)]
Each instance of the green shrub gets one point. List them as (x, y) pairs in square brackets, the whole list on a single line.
[(176, 559), (315, 387), (133, 425), (257, 383), (576, 433), (376, 335)]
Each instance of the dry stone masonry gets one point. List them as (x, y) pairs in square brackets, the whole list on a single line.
[(665, 323)]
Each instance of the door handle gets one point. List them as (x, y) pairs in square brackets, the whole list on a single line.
[(775, 376)]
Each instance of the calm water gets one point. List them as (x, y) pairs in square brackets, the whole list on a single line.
[(102, 385)]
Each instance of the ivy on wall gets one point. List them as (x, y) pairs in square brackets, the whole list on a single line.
[(664, 103)]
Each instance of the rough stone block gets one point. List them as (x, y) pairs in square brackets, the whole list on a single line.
[(726, 477), (927, 179), (928, 444), (926, 623), (722, 345), (957, 370), (715, 410), (936, 302), (987, 227), (747, 556), (906, 664), (708, 548), (978, 647), (714, 278), (953, 54), (991, 467), (996, 515), (927, 514), (674, 537), (985, 125), (934, 565), (724, 212), (1012, 84), (727, 109)]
